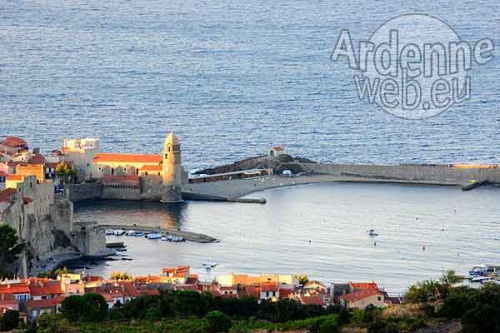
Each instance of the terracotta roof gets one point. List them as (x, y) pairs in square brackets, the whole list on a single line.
[(363, 285), (188, 287), (28, 200), (151, 168), (311, 284), (127, 158), (7, 195), (359, 295), (269, 286), (152, 292), (15, 177), (285, 292), (312, 300), (13, 141), (18, 288), (192, 279), (277, 148), (45, 289), (42, 304), (37, 159)]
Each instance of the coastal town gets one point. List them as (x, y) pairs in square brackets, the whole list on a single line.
[(38, 192), (36, 295)]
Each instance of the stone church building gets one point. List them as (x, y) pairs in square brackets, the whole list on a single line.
[(141, 176)]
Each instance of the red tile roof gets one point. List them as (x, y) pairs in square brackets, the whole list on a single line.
[(15, 289), (311, 284), (312, 300), (151, 168), (127, 158), (28, 200), (13, 141), (15, 177), (284, 293), (37, 159), (363, 285), (277, 148), (45, 289), (359, 295), (44, 303), (7, 195), (269, 286)]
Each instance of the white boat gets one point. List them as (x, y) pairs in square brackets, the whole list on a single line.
[(209, 264), (154, 235), (119, 232), (372, 232), (130, 233), (110, 232), (481, 279)]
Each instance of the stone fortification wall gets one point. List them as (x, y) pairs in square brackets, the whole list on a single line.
[(61, 214), (119, 193), (151, 187), (86, 191), (445, 174)]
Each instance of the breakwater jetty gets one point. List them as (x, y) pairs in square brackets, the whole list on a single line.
[(188, 235), (465, 176)]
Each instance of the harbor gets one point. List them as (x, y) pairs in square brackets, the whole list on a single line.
[(145, 231), (321, 226)]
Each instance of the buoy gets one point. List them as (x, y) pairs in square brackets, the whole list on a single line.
[(374, 243), (423, 248)]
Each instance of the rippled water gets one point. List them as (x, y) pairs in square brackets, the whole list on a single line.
[(231, 77), (458, 229)]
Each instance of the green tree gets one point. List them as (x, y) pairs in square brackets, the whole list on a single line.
[(90, 307), (9, 320), (303, 279), (121, 276), (218, 322), (330, 325), (65, 173), (187, 303), (9, 248), (448, 280)]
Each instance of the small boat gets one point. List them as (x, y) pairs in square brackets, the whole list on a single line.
[(130, 233), (110, 232), (372, 232), (139, 234), (154, 235), (119, 232), (121, 249), (209, 264), (480, 270), (481, 279)]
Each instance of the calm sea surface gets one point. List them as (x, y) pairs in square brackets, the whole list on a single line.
[(231, 77), (319, 230), (234, 77)]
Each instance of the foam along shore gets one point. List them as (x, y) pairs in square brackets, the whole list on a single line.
[(188, 235), (232, 190)]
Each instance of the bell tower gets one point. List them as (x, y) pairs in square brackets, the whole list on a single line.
[(172, 170)]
